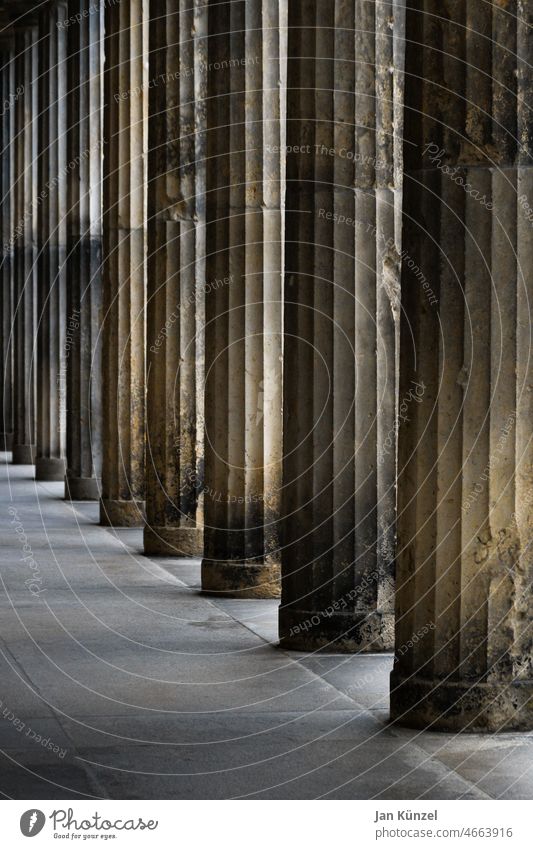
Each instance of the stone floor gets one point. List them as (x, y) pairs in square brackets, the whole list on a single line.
[(120, 680)]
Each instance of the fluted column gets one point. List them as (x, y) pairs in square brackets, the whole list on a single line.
[(25, 243), (243, 300), (465, 515), (176, 278), (84, 261), (341, 294), (124, 279), (52, 227), (8, 98)]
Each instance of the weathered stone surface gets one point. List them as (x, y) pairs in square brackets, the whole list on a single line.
[(465, 454), (243, 427), (124, 263), (176, 279), (83, 343), (341, 312)]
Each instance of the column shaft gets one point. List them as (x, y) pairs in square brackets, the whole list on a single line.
[(464, 606), (8, 98), (341, 295), (243, 300), (176, 278), (124, 269), (52, 228), (83, 345), (25, 243)]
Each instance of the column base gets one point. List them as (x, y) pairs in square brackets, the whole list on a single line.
[(23, 455), (335, 631), (82, 489), (234, 579), (460, 706), (173, 542), (49, 469), (122, 514), (6, 442)]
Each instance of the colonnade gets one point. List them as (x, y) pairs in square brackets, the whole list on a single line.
[(248, 305)]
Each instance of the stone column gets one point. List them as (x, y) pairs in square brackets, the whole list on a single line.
[(8, 98), (83, 346), (176, 278), (25, 242), (243, 301), (52, 227), (465, 510), (341, 295), (124, 280)]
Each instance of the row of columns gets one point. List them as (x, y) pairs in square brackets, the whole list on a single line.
[(182, 235), (207, 236)]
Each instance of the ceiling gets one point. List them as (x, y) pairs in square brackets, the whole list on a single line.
[(17, 11)]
